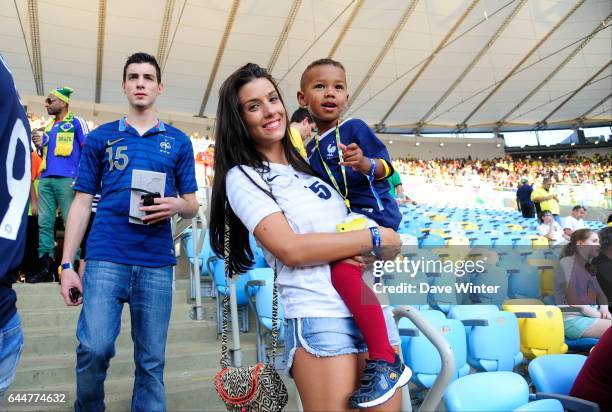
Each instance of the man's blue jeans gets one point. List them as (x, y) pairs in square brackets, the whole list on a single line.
[(106, 287), (11, 343)]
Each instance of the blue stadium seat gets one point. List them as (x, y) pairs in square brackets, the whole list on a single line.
[(581, 344), (217, 268), (523, 281), (421, 355), (555, 373), (492, 392), (493, 339), (261, 304)]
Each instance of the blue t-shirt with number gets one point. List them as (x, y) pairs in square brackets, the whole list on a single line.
[(15, 173), (368, 198), (112, 152)]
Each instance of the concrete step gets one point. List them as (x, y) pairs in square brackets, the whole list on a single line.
[(43, 372), (50, 340), (51, 299), (66, 317), (185, 391)]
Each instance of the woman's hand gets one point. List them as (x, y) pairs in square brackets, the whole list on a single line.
[(604, 312), (390, 243)]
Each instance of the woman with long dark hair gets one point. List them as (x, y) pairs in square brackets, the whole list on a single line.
[(576, 285), (263, 186)]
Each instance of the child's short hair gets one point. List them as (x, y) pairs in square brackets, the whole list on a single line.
[(320, 62)]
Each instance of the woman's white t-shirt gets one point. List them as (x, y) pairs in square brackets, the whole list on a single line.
[(310, 206)]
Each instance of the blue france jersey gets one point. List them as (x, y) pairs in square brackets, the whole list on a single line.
[(110, 155), (360, 190), (15, 171)]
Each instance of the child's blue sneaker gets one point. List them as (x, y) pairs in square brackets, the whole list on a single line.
[(379, 382)]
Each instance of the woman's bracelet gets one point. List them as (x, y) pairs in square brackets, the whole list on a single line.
[(376, 241)]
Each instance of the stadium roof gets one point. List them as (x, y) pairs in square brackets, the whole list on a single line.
[(413, 65)]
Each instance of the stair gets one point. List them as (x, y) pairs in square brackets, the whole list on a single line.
[(192, 354)]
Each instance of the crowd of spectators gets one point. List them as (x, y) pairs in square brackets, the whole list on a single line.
[(508, 172)]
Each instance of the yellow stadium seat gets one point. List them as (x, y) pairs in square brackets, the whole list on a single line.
[(439, 232), (439, 218), (542, 334), (458, 240), (547, 268), (469, 226), (514, 227), (538, 241)]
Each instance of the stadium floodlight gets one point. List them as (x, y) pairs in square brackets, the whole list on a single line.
[(573, 144)]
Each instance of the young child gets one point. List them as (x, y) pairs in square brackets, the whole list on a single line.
[(350, 157)]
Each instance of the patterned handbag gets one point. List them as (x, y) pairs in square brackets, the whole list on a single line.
[(254, 388)]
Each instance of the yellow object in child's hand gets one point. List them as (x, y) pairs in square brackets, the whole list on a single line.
[(350, 225)]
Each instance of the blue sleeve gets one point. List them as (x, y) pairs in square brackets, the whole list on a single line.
[(89, 175), (185, 169), (369, 143), (80, 130)]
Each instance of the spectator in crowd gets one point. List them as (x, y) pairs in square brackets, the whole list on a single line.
[(603, 262), (62, 144), (574, 221), (397, 189), (523, 199), (14, 190), (575, 284), (209, 164), (300, 129), (128, 261), (551, 230), (263, 186), (594, 382), (546, 199), (29, 264)]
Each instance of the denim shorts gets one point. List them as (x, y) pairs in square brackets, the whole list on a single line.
[(326, 337), (576, 326)]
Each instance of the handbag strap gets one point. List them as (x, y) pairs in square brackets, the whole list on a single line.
[(225, 358)]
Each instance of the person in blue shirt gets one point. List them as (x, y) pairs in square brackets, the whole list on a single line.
[(349, 156), (129, 257), (14, 192), (523, 199), (62, 144)]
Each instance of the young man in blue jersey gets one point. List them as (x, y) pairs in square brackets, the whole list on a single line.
[(14, 192), (126, 261), (62, 143), (349, 156)]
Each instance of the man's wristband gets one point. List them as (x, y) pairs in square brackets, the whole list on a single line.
[(375, 240), (68, 265)]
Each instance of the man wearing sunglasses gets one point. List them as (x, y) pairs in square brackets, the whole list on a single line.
[(61, 143)]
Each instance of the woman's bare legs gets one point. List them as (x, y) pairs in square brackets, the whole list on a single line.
[(325, 383), (597, 329)]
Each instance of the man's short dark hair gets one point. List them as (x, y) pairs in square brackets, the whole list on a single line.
[(578, 207), (321, 62), (299, 115), (141, 57)]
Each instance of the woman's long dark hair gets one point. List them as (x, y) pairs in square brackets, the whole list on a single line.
[(234, 147), (572, 247)]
